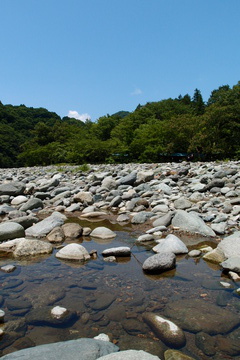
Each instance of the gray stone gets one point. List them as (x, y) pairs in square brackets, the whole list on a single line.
[(194, 253), (115, 201), (171, 244), (232, 263), (109, 183), (103, 233), (117, 251), (164, 188), (74, 252), (164, 220), (12, 189), (206, 343), (72, 230), (123, 218), (159, 263), (215, 256), (230, 246), (165, 330), (56, 235), (19, 200), (42, 228), (182, 203), (145, 238), (33, 247), (80, 349), (11, 230), (31, 204), (192, 223), (25, 221), (130, 355), (128, 179), (141, 217), (8, 268), (84, 197), (144, 176), (219, 228), (6, 209)]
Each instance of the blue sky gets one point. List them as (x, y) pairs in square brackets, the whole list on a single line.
[(101, 56)]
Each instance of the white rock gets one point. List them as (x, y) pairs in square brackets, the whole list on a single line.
[(74, 252), (103, 233), (102, 337), (58, 312)]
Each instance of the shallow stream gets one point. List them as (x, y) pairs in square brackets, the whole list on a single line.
[(110, 298)]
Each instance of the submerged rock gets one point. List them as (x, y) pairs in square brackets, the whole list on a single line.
[(165, 330), (130, 355)]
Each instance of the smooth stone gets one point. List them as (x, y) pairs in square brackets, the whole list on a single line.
[(8, 268), (110, 259), (2, 314), (27, 247), (31, 204), (10, 230), (6, 209), (83, 197), (215, 256), (59, 312), (75, 252), (145, 238), (103, 301), (72, 230), (156, 229), (164, 220), (176, 355), (144, 176), (194, 253), (103, 233), (43, 228), (123, 218), (56, 235), (233, 276), (13, 189), (25, 221), (182, 203), (19, 200), (206, 343), (171, 244), (130, 355), (219, 228), (165, 330), (117, 251), (141, 217), (192, 223), (232, 263), (103, 337), (159, 263), (128, 179), (230, 245), (196, 315), (72, 208)]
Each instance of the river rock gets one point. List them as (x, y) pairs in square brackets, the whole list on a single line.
[(75, 252), (72, 230), (182, 203), (13, 189), (171, 244), (103, 233), (145, 238), (117, 251), (84, 197), (130, 355), (128, 179), (42, 228), (10, 230), (31, 204), (171, 354), (159, 263), (25, 221), (196, 315), (164, 220), (165, 330), (232, 263), (230, 245), (192, 223), (80, 349), (19, 200), (33, 247), (103, 301), (56, 235), (141, 217), (214, 256)]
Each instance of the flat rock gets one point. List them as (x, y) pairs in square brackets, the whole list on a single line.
[(56, 235), (165, 330), (230, 245), (80, 349), (171, 244), (103, 301), (192, 223), (164, 220), (232, 263), (171, 354), (33, 247), (159, 263), (196, 315), (31, 204), (10, 230), (74, 252), (42, 228), (72, 230), (25, 221), (103, 233), (130, 355), (13, 189)]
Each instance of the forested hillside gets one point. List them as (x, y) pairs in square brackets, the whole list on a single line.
[(153, 132)]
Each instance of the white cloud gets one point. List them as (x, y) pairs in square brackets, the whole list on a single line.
[(74, 114), (136, 91)]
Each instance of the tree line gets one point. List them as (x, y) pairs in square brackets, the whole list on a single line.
[(153, 132)]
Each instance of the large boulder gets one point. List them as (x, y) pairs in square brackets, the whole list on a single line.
[(192, 223), (10, 230), (171, 244), (159, 263), (80, 349), (74, 252), (165, 330), (42, 228)]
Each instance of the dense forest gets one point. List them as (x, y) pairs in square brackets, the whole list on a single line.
[(153, 132)]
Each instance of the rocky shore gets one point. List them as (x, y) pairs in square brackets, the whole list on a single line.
[(166, 202)]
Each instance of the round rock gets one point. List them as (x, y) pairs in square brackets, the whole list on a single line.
[(103, 233), (75, 252), (159, 263)]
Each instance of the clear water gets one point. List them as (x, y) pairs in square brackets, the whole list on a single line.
[(46, 282)]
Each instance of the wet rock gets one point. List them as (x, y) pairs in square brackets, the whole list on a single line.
[(44, 294), (133, 326), (232, 263), (165, 330), (27, 247), (130, 355), (117, 251), (171, 244), (223, 298), (176, 355), (198, 315), (145, 238), (11, 230), (72, 230), (74, 252), (103, 302), (229, 345), (103, 233), (18, 304), (42, 228), (192, 223), (48, 317), (194, 253), (215, 256), (206, 343), (159, 263), (6, 209), (2, 315), (25, 221), (8, 268), (123, 218)]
